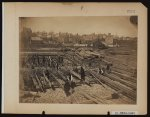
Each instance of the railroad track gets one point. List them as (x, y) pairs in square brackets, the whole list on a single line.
[(118, 61), (125, 90), (117, 86), (116, 78), (122, 73), (125, 69), (115, 69), (124, 76)]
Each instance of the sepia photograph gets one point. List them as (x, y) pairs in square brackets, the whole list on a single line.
[(78, 60), (74, 58)]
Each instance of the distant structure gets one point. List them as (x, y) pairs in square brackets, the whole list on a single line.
[(36, 40), (29, 39), (80, 45), (109, 39)]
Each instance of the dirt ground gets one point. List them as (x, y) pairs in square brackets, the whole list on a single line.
[(58, 96)]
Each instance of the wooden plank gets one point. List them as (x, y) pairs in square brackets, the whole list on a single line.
[(127, 83), (61, 75), (97, 80), (57, 81), (47, 80), (122, 72), (35, 83), (40, 85), (75, 74), (124, 76), (103, 100), (90, 98), (42, 53), (125, 69)]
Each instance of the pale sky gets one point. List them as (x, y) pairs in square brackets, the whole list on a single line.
[(119, 25)]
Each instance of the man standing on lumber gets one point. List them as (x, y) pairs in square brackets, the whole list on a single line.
[(50, 61), (82, 73), (67, 88), (108, 68), (71, 83), (60, 60)]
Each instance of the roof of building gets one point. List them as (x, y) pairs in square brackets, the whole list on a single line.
[(36, 39)]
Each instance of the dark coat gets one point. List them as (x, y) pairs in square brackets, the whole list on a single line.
[(82, 73)]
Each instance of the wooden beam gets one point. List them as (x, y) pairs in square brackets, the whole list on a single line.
[(97, 79), (90, 98), (57, 81), (40, 85), (124, 76), (47, 80), (127, 83), (35, 83)]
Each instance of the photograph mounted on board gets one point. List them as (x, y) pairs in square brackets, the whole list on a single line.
[(78, 59)]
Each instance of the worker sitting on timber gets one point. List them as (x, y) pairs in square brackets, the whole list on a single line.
[(82, 72)]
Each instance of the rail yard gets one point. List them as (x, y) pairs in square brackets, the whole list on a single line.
[(109, 76)]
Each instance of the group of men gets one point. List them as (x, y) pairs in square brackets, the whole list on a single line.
[(54, 62), (70, 84), (103, 70), (42, 61)]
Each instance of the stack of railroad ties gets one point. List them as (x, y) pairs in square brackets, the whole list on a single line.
[(51, 78), (35, 69)]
